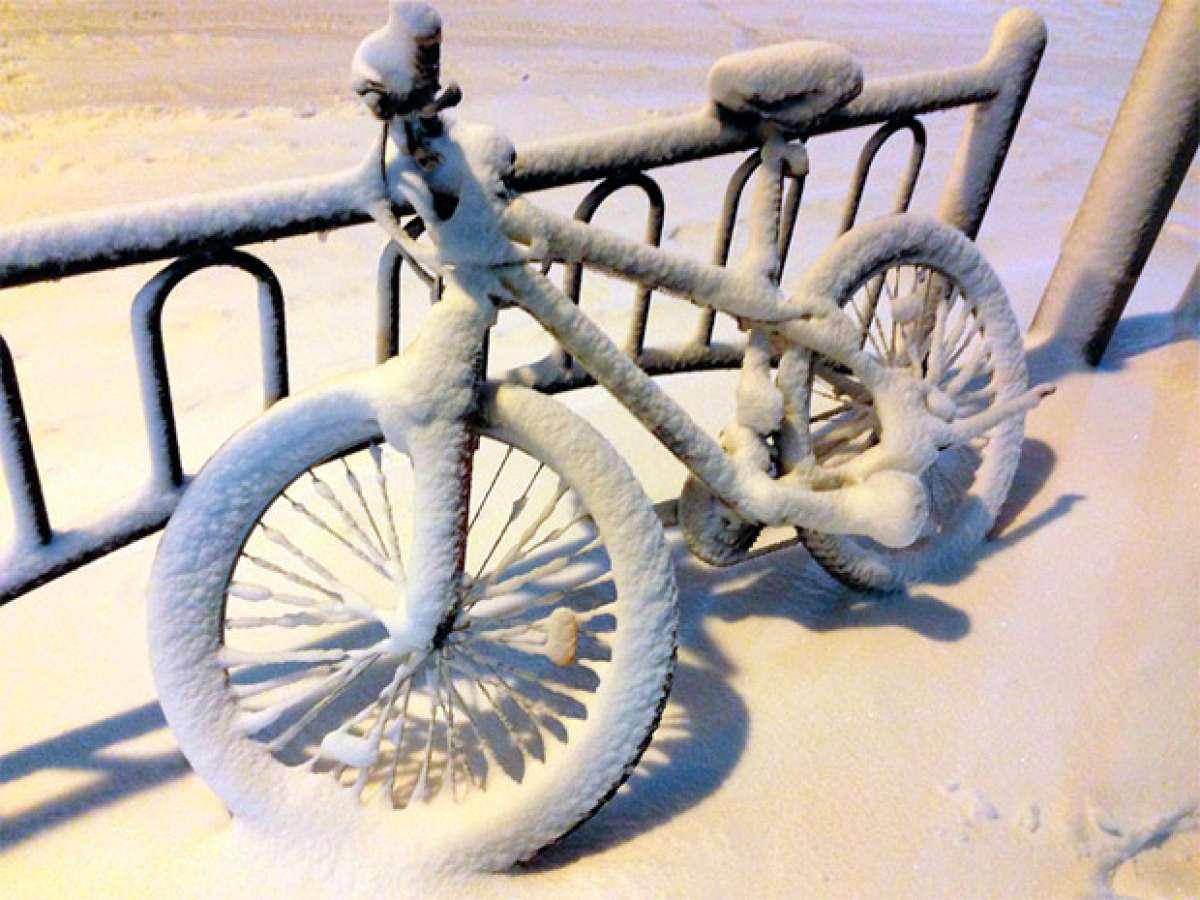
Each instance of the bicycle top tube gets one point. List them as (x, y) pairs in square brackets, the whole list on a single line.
[(455, 177)]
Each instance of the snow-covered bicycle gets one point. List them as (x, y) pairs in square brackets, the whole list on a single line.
[(436, 615)]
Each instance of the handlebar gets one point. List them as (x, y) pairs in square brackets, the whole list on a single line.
[(396, 69)]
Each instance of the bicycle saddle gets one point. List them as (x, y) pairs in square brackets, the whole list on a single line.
[(789, 84)]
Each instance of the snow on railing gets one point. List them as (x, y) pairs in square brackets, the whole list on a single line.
[(1142, 168), (201, 232)]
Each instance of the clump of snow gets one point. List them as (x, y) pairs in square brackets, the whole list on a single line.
[(791, 83), (388, 56)]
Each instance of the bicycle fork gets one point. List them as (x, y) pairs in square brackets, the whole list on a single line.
[(425, 400)]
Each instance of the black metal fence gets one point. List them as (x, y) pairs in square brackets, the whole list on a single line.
[(995, 89)]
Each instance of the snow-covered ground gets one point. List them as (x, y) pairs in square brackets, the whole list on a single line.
[(1027, 727)]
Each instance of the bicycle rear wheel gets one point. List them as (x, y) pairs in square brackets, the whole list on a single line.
[(924, 299), (269, 607)]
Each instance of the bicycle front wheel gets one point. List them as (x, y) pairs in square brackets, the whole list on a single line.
[(270, 609)]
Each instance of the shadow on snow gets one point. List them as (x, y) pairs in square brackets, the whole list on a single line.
[(705, 727)]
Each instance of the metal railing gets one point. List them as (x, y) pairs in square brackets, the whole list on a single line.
[(202, 233)]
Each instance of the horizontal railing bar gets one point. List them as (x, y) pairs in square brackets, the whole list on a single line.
[(704, 133), (91, 242), (32, 567)]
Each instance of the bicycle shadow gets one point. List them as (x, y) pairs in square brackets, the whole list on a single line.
[(706, 725), (1037, 462)]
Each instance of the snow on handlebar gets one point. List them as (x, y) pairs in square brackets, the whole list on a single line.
[(396, 69)]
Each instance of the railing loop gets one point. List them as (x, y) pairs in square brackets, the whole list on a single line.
[(387, 293), (157, 405), (728, 222), (866, 159), (655, 217)]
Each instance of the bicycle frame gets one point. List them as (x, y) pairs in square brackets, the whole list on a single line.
[(476, 253)]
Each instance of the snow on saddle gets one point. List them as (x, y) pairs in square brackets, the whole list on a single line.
[(790, 84)]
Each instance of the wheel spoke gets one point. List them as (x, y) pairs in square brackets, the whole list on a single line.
[(519, 550), (420, 790), (376, 452), (933, 373), (828, 414), (513, 732), (538, 751), (517, 506), (356, 488), (868, 318), (292, 620), (255, 593), (481, 742), (505, 605), (331, 499), (294, 577), (246, 690), (303, 510), (279, 539), (963, 334), (397, 740), (491, 487), (842, 435), (230, 656), (564, 704), (971, 366), (553, 567), (448, 714), (324, 693), (367, 749)]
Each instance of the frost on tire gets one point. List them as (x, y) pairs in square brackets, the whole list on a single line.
[(933, 308), (290, 694)]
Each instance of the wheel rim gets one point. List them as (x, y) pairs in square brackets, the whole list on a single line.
[(309, 614), (917, 317)]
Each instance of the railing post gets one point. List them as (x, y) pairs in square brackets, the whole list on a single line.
[(1145, 159), (166, 466), (387, 299), (1013, 58), (16, 451)]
